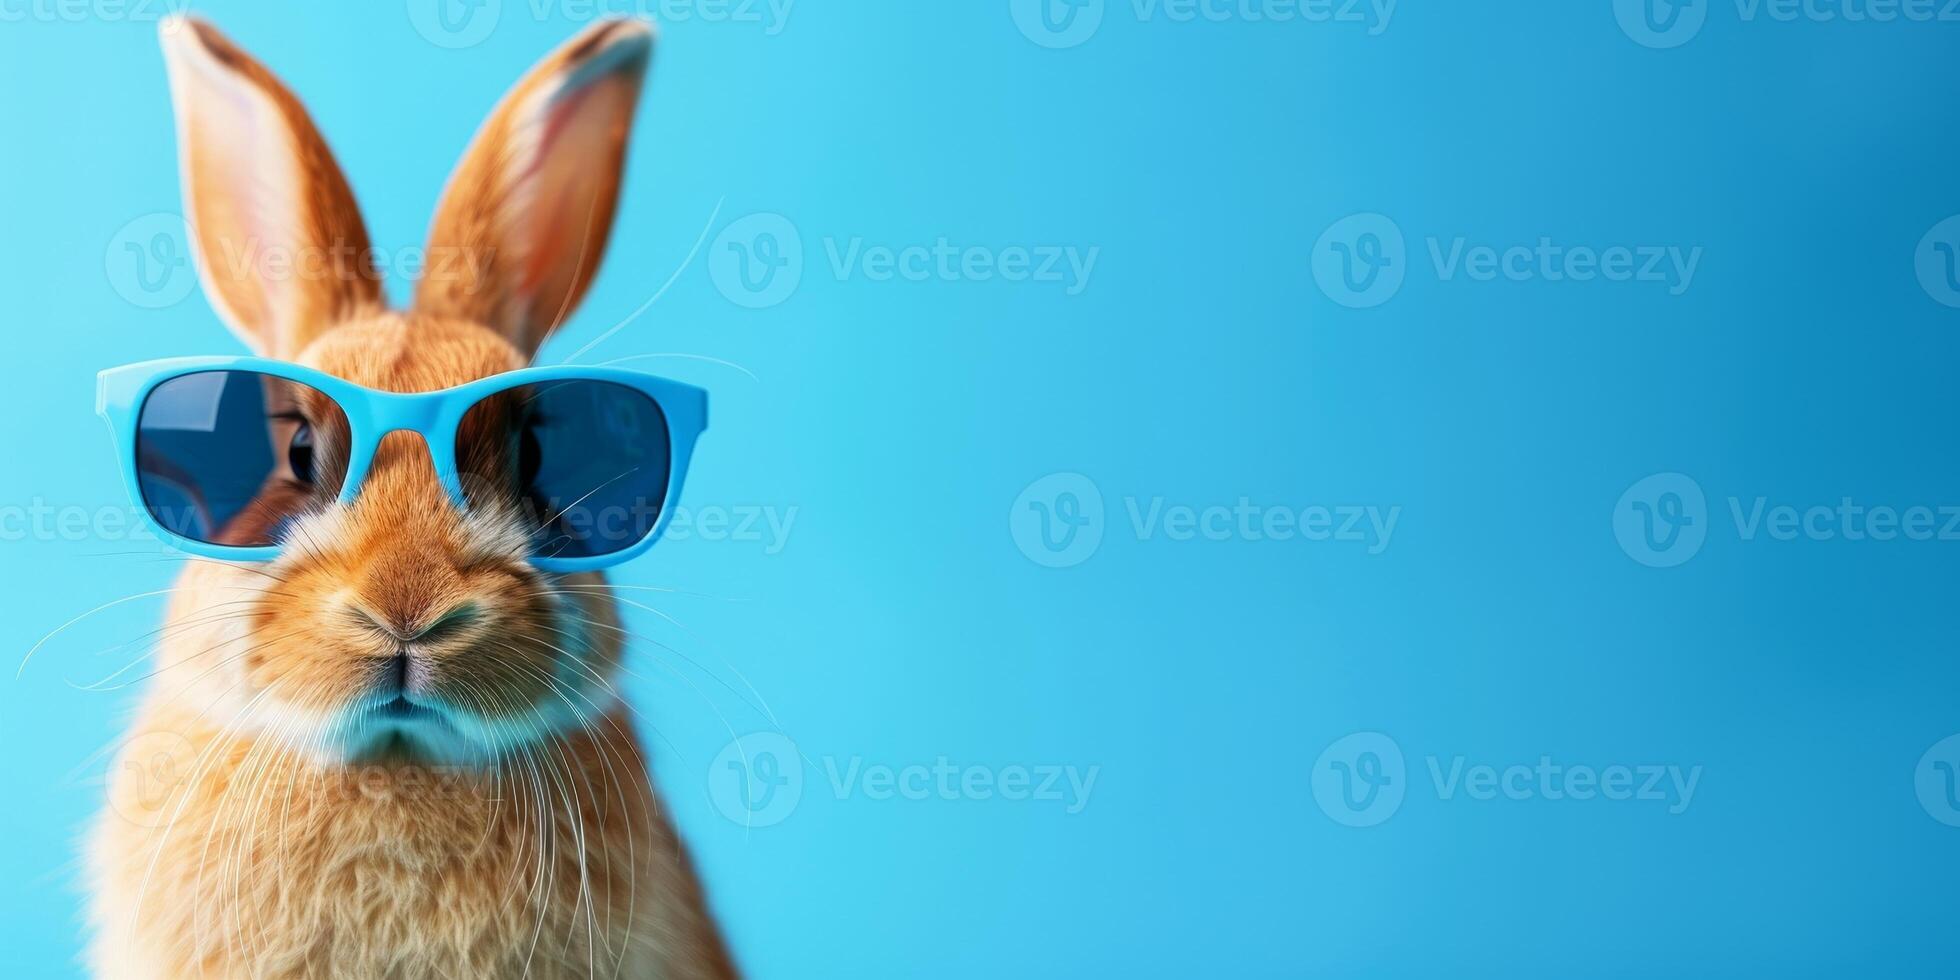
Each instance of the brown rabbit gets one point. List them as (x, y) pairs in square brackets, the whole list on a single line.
[(266, 852)]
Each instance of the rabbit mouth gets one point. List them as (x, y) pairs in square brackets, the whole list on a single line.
[(401, 729), (404, 710), (453, 702), (399, 711)]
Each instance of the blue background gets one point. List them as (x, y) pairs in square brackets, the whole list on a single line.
[(902, 619)]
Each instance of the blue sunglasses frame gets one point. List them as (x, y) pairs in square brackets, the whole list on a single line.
[(371, 415)]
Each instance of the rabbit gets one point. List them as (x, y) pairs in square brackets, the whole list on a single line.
[(240, 843)]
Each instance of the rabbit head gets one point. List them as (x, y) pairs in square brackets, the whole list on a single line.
[(399, 589)]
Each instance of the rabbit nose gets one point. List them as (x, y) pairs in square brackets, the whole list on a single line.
[(417, 625)]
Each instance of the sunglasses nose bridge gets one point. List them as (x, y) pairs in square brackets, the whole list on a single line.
[(423, 417)]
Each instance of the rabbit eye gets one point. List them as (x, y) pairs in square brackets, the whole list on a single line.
[(299, 453), (530, 455)]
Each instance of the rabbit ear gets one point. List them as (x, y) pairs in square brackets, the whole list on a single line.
[(525, 218), (279, 240)]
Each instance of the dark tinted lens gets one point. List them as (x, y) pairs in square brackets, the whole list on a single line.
[(586, 462), (229, 457)]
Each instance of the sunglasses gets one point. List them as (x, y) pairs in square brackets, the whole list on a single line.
[(226, 454)]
